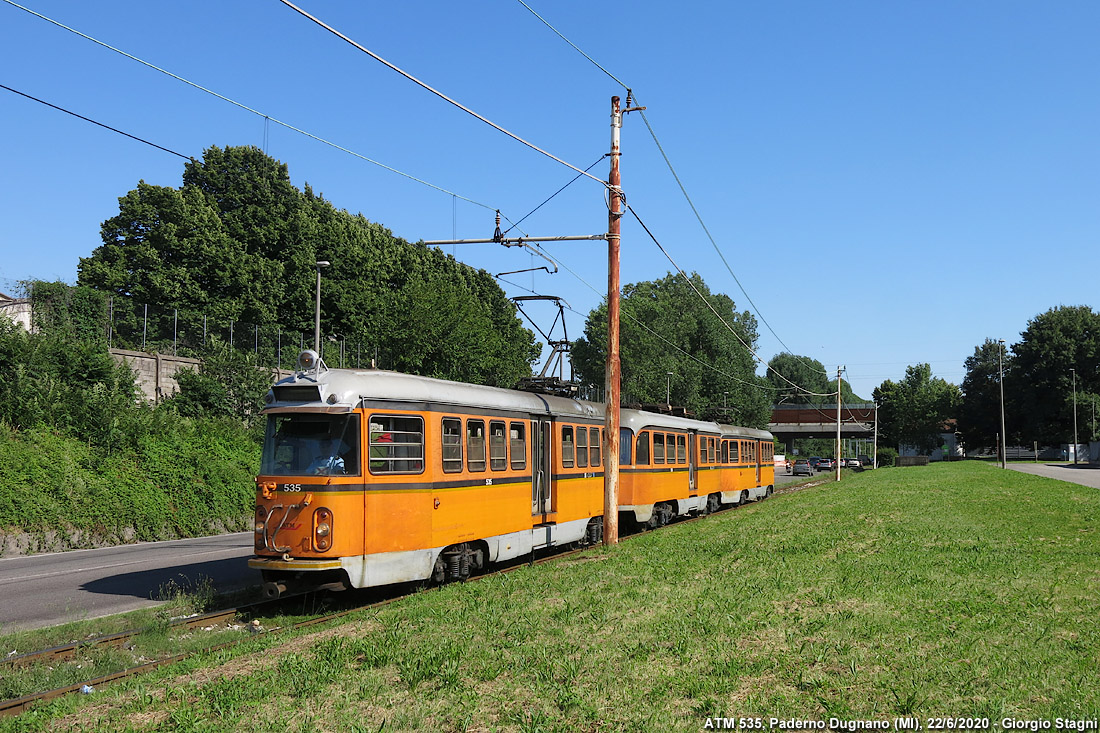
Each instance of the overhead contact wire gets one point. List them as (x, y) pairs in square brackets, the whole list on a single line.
[(659, 336), (250, 109), (438, 93), (660, 148), (575, 179), (94, 122), (715, 311)]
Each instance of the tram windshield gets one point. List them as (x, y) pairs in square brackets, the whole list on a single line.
[(311, 445)]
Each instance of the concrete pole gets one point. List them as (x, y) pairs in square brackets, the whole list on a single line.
[(1002, 443), (1075, 444), (838, 391), (612, 373), (874, 453)]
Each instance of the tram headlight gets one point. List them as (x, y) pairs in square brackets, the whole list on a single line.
[(322, 529), (261, 515)]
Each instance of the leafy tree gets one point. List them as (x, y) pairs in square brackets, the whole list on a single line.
[(1040, 383), (665, 327), (238, 243), (914, 410), (228, 383), (53, 379), (808, 374), (979, 411)]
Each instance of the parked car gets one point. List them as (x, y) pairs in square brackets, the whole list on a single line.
[(825, 464), (802, 466)]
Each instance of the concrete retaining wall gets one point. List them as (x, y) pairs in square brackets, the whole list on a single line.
[(156, 373)]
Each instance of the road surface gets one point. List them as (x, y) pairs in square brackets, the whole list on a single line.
[(55, 588), (1082, 473)]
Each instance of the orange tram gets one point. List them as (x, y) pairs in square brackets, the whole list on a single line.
[(373, 477)]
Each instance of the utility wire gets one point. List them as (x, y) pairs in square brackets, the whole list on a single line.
[(94, 122), (715, 311), (438, 93), (668, 162), (659, 336), (575, 178), (245, 107)]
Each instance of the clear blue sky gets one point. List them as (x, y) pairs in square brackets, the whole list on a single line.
[(892, 183)]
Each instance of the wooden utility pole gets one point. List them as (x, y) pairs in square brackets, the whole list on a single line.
[(612, 375)]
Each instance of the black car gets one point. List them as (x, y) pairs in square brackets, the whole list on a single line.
[(814, 460)]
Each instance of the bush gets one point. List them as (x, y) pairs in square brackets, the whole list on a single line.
[(886, 457), (83, 463)]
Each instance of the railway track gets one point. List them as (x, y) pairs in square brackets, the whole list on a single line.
[(252, 611)]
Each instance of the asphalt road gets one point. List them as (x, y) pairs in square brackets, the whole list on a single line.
[(55, 588), (1082, 473)]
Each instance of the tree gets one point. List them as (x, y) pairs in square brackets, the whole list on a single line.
[(798, 379), (228, 383), (979, 410), (237, 243), (1040, 383), (666, 327), (915, 410)]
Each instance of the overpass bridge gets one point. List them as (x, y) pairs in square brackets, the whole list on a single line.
[(790, 422)]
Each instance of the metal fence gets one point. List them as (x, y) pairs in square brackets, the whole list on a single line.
[(127, 324)]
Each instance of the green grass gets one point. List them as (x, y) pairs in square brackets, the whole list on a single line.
[(954, 589)]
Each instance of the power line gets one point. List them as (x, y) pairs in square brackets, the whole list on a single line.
[(659, 336), (94, 122), (575, 178), (436, 92), (715, 311), (668, 162), (267, 118)]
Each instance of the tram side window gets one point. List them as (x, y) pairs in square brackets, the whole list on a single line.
[(518, 444), (452, 445), (582, 447), (681, 449), (711, 452), (641, 450), (702, 450), (498, 447), (658, 448), (594, 442), (752, 452), (475, 445), (733, 452), (567, 449), (725, 451), (396, 444), (767, 452)]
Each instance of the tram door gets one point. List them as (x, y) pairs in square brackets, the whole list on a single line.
[(756, 449), (693, 456), (541, 479)]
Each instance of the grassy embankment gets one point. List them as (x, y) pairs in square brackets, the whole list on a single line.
[(947, 590), (182, 478)]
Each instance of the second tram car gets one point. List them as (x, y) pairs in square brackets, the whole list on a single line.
[(373, 477)]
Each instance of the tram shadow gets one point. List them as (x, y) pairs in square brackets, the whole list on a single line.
[(216, 577)]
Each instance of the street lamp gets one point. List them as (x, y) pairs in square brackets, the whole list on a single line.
[(321, 264), (1001, 383), (1074, 371), (668, 389)]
